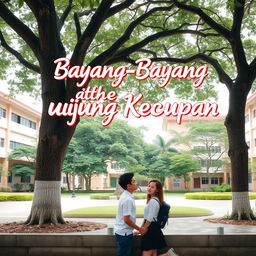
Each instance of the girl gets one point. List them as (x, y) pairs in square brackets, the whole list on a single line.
[(154, 239)]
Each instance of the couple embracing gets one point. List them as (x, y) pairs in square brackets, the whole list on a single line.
[(153, 240)]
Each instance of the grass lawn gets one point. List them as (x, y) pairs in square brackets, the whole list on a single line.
[(112, 210)]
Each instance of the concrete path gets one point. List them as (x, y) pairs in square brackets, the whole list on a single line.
[(18, 211)]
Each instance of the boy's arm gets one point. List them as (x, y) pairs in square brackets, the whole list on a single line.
[(130, 223)]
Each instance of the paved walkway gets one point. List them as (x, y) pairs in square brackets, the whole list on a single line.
[(18, 211)]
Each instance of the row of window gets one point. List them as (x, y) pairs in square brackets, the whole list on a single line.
[(214, 180), (18, 119), (13, 144), (247, 116), (213, 149), (22, 179), (211, 163), (23, 121)]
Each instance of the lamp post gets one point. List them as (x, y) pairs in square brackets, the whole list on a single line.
[(73, 192)]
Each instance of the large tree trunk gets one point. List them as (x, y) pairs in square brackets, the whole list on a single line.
[(54, 137), (238, 153)]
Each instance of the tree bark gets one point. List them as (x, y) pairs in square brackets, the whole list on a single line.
[(238, 153)]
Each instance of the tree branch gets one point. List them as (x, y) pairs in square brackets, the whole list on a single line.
[(78, 27), (88, 35), (214, 25), (20, 28), (238, 17), (127, 51), (106, 55), (65, 15), (223, 76), (18, 55), (119, 7)]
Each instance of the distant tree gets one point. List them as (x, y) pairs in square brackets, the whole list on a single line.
[(26, 153), (164, 146), (182, 165), (207, 142), (94, 144)]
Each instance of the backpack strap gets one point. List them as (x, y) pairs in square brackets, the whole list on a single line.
[(159, 206)]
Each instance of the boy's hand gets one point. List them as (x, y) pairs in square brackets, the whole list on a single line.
[(143, 230)]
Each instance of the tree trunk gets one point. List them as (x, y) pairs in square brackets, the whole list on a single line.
[(54, 137), (68, 184), (238, 153)]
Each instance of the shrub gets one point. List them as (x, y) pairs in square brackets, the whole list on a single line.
[(222, 188), (31, 187), (140, 196), (18, 187), (5, 189), (214, 196), (63, 189), (100, 196), (15, 197)]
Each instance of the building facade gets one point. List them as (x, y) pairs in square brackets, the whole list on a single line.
[(203, 179), (19, 126), (250, 136)]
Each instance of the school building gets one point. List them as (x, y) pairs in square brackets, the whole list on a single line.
[(250, 136), (200, 180), (19, 126)]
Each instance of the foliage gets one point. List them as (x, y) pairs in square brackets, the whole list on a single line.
[(93, 145), (214, 196), (23, 170), (5, 189), (182, 165), (27, 153), (222, 188), (15, 197), (18, 187)]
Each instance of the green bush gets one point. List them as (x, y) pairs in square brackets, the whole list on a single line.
[(15, 197), (18, 187), (31, 187), (101, 196), (222, 188), (63, 189), (5, 189), (214, 196), (140, 196)]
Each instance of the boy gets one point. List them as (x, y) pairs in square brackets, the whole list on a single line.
[(126, 216)]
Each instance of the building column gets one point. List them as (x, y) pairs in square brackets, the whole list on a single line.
[(4, 178)]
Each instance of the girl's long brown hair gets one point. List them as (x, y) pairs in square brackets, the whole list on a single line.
[(159, 193)]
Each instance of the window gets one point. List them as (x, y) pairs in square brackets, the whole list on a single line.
[(15, 144), (205, 180), (176, 183), (1, 142), (23, 121), (65, 180), (199, 148), (215, 149), (114, 166), (10, 178), (247, 118), (254, 113), (214, 181), (2, 112), (25, 179)]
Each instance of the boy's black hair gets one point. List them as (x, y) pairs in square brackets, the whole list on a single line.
[(125, 179)]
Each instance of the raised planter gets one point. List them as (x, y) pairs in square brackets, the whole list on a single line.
[(99, 245)]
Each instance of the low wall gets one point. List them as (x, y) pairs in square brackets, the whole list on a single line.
[(104, 245)]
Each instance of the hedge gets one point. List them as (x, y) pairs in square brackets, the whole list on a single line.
[(105, 196), (15, 197), (214, 196)]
